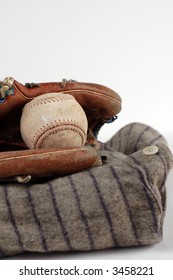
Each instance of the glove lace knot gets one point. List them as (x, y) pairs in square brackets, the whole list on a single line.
[(65, 82), (6, 88)]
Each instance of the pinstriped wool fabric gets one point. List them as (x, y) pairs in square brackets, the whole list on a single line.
[(121, 203)]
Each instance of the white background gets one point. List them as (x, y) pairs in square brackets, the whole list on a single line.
[(126, 45)]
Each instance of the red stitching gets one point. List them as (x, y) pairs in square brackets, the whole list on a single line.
[(48, 100), (55, 127)]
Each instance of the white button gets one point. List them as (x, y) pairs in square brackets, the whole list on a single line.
[(150, 150)]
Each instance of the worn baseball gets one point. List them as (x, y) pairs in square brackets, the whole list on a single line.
[(53, 120)]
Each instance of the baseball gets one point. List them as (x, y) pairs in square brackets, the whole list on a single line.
[(53, 120)]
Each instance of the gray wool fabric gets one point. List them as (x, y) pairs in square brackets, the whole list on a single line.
[(121, 203)]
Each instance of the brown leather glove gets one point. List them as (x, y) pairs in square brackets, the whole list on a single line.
[(101, 105)]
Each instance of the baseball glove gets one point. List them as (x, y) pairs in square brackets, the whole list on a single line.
[(101, 105)]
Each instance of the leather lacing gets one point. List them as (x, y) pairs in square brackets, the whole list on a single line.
[(65, 82), (6, 88)]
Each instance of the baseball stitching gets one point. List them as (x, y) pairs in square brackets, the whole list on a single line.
[(43, 101), (53, 127)]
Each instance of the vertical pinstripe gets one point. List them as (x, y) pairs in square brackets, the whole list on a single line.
[(128, 136), (126, 204), (82, 215), (165, 169), (140, 137), (12, 218), (144, 183), (37, 221), (119, 140), (105, 209), (111, 143), (59, 218)]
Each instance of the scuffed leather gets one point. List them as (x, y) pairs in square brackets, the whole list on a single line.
[(47, 162)]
